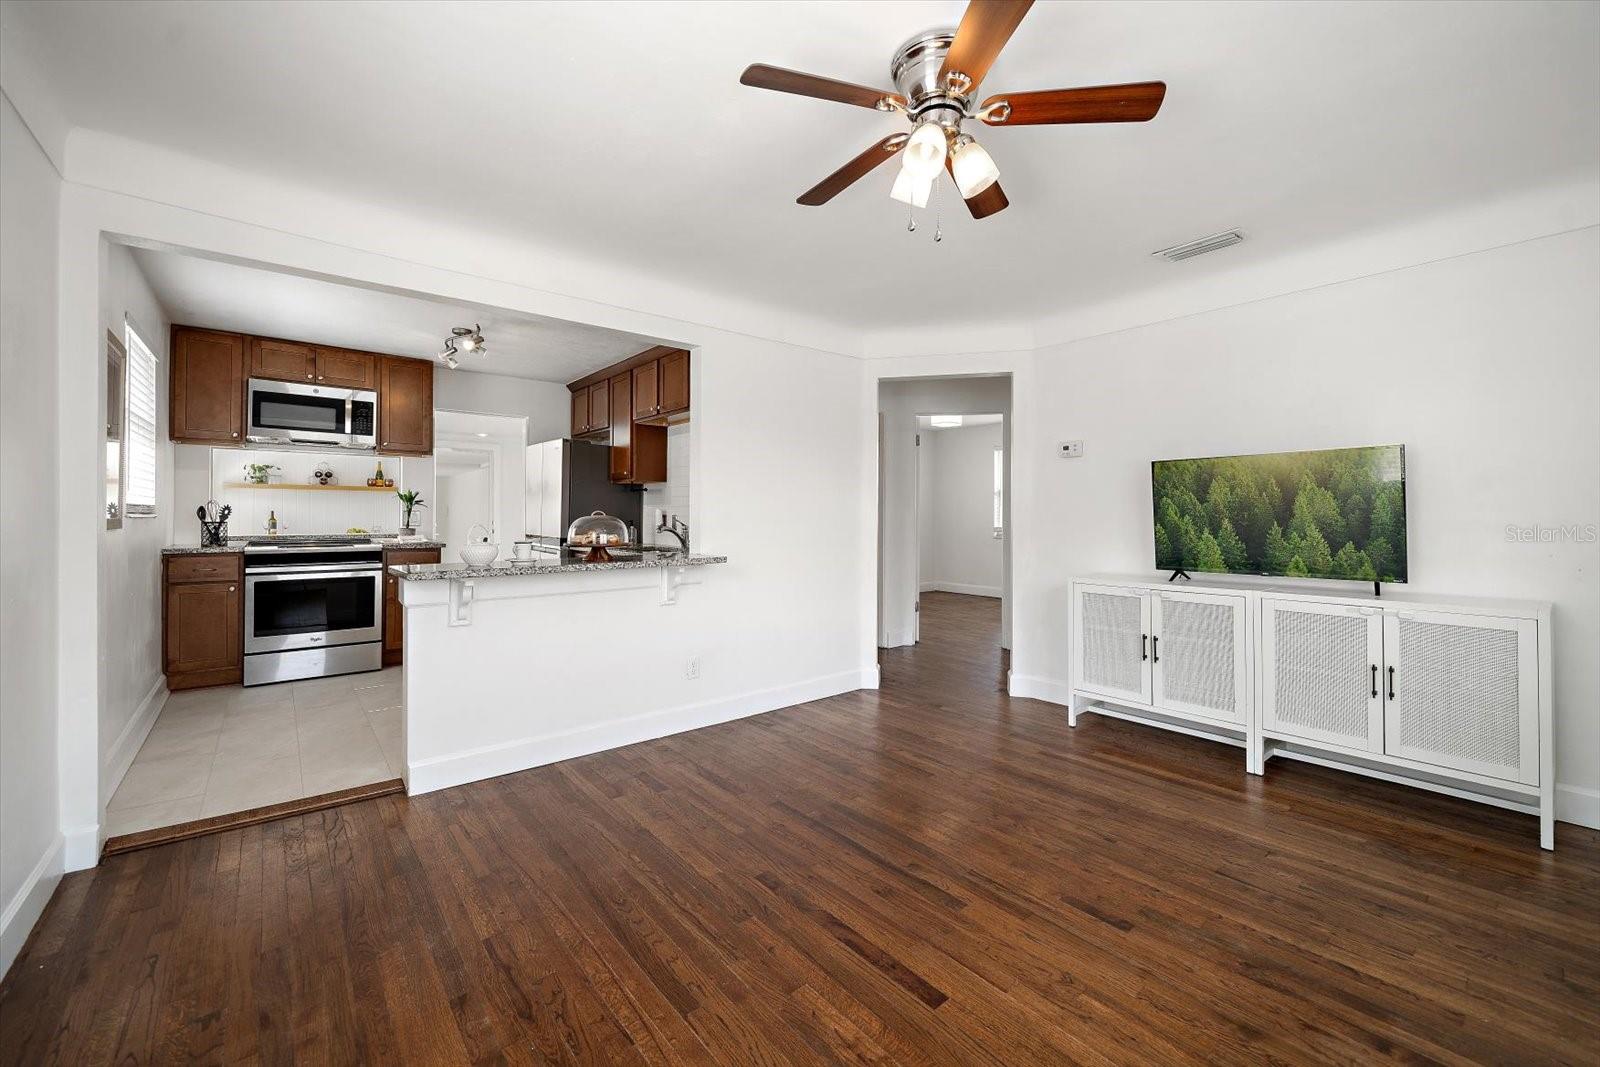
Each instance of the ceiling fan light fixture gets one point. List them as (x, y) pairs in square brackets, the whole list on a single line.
[(912, 189), (924, 153), (972, 168)]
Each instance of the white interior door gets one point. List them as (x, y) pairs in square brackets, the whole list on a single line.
[(1320, 672), (1463, 692), (1112, 642), (1197, 655)]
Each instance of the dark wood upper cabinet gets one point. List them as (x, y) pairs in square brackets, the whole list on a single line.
[(202, 632), (580, 412), (674, 390), (284, 361), (599, 407), (646, 389), (346, 369), (405, 406), (621, 429), (207, 386)]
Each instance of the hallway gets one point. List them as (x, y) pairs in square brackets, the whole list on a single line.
[(929, 874)]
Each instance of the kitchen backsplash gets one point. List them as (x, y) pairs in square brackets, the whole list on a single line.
[(672, 495), (308, 511)]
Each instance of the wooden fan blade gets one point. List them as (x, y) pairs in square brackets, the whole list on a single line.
[(1137, 102), (989, 202), (793, 81), (853, 171), (985, 28)]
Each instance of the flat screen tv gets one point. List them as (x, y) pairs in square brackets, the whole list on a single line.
[(1334, 513)]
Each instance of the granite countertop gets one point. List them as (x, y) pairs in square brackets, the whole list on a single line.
[(237, 544), (516, 568)]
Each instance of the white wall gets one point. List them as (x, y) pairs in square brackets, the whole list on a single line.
[(299, 511), (546, 405), (1486, 367), (671, 497), (965, 556), (30, 834), (132, 688), (899, 403), (772, 627)]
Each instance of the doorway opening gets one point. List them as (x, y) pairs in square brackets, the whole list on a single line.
[(479, 480), (944, 559)]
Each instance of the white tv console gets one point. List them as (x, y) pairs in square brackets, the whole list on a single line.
[(1443, 693)]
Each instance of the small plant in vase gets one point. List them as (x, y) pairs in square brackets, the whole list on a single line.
[(410, 501), (260, 473)]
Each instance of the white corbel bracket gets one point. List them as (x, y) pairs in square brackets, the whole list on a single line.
[(461, 594), (671, 578)]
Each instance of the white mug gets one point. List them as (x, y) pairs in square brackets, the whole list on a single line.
[(522, 550)]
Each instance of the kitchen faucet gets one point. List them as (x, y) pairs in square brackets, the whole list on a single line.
[(677, 528)]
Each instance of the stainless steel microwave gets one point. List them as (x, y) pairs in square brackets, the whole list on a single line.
[(291, 413)]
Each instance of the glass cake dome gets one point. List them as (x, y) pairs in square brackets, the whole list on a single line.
[(594, 532)]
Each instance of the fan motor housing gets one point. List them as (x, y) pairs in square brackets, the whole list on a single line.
[(916, 71)]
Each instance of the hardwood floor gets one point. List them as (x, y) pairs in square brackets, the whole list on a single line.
[(929, 874)]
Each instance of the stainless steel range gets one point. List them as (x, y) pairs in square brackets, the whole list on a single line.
[(312, 608)]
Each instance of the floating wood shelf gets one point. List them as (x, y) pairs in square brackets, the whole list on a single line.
[(292, 485)]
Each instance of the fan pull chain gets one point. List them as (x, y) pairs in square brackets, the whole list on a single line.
[(911, 219), (938, 215)]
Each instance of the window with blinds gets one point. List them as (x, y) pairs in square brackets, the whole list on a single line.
[(141, 427)]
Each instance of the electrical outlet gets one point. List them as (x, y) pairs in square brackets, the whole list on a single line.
[(691, 670), (1070, 449)]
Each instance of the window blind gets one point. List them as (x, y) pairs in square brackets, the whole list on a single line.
[(141, 428)]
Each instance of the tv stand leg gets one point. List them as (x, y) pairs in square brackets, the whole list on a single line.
[(1180, 572)]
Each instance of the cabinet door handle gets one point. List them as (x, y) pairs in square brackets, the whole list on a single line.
[(1391, 683), (1155, 650), (1374, 681), (232, 588), (236, 433), (1144, 647)]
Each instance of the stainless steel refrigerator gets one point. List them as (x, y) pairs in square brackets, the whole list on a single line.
[(568, 478)]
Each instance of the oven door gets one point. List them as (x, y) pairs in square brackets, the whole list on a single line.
[(312, 414), (312, 609)]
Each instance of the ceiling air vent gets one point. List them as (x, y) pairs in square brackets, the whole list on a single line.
[(1201, 247)]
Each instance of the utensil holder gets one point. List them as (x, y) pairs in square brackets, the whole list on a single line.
[(213, 534)]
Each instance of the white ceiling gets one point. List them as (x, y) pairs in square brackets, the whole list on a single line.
[(228, 296), (620, 129)]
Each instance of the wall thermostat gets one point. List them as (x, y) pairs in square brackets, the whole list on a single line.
[(1070, 449)]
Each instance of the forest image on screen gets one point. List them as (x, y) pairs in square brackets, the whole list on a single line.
[(1337, 513)]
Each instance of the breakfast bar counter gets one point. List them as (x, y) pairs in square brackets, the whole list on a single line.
[(521, 568), (527, 661)]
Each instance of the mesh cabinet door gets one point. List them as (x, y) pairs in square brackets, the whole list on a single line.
[(1321, 667), (1111, 637), (1466, 693), (1198, 658)]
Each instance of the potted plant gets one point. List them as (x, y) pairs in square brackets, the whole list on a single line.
[(259, 473), (410, 500)]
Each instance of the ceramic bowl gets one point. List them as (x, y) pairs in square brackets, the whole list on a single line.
[(479, 554)]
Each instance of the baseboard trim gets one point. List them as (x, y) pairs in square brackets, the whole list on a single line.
[(967, 590), (120, 756), (474, 765), (1037, 688), (80, 848), (1578, 805), (27, 904)]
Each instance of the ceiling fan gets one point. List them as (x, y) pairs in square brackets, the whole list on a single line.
[(937, 74)]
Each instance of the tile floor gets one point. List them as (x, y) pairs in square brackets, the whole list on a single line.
[(214, 751)]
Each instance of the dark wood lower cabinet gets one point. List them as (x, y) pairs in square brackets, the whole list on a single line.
[(202, 620), (394, 616)]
